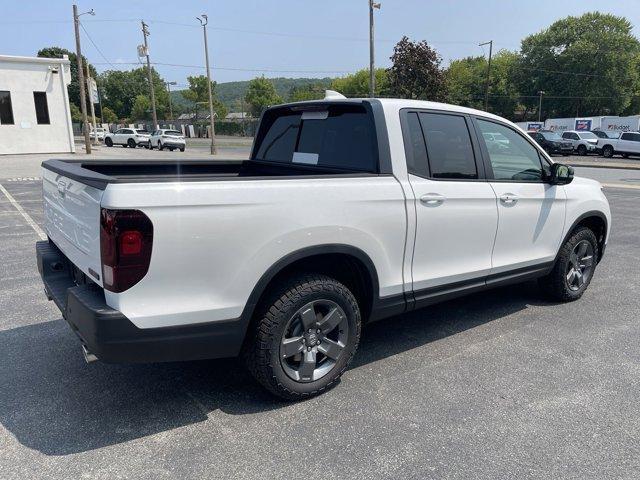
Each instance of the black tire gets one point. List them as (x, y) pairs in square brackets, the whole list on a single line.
[(108, 142), (565, 154), (625, 155), (556, 284), (582, 150), (131, 143), (171, 149), (182, 149), (607, 151), (272, 325), (150, 147), (160, 146)]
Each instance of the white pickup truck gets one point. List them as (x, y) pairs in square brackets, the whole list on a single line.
[(628, 143), (347, 211)]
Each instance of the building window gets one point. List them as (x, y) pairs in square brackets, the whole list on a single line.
[(6, 111), (42, 109)]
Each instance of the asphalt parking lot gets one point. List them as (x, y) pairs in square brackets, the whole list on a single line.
[(497, 385)]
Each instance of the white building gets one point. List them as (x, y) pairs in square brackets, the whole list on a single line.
[(34, 105)]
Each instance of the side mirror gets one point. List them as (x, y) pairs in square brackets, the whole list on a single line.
[(560, 174)]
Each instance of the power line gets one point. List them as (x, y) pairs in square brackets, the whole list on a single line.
[(96, 46), (233, 69)]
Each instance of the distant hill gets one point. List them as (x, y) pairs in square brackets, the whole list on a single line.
[(230, 93)]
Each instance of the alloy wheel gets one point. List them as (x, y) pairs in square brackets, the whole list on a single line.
[(580, 265), (314, 340)]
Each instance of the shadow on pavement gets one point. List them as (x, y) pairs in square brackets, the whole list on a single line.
[(54, 403)]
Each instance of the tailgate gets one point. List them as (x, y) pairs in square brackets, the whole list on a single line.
[(72, 220)]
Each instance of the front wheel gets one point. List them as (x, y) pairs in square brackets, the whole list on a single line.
[(607, 151), (574, 267), (160, 146), (582, 150), (108, 142), (304, 337), (131, 143)]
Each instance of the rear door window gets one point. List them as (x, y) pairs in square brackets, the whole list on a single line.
[(449, 147), (343, 137)]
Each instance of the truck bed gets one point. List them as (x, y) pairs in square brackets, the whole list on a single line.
[(100, 173)]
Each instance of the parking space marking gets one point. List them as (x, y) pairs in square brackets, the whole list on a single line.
[(621, 185), (25, 215)]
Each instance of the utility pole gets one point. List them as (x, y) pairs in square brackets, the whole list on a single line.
[(206, 57), (145, 34), (372, 70), (541, 93), (168, 84), (83, 98), (486, 86)]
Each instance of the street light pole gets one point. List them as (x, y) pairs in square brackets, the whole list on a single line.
[(486, 86), (145, 34), (372, 71), (83, 98), (206, 56), (168, 84), (541, 93)]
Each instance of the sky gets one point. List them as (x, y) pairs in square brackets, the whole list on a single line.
[(281, 38)]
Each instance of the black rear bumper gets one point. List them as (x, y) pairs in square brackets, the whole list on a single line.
[(112, 337)]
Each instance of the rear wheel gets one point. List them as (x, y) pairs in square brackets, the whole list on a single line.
[(574, 267), (131, 143), (160, 146), (108, 142), (607, 151), (182, 149), (304, 337)]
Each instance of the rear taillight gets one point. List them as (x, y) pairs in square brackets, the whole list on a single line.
[(126, 238)]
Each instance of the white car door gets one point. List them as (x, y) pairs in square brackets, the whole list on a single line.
[(120, 136), (629, 142), (531, 212), (455, 208)]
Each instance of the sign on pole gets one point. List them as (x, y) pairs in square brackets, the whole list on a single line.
[(93, 91)]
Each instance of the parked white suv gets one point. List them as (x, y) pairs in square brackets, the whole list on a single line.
[(98, 134), (348, 211), (167, 138), (628, 143), (583, 142), (127, 137)]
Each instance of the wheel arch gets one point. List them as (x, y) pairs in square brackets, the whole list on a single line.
[(360, 274), (597, 222)]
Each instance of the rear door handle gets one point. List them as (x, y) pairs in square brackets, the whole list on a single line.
[(432, 199), (508, 198)]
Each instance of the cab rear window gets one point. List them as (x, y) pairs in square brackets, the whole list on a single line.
[(340, 136)]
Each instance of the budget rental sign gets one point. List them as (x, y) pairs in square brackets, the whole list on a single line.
[(583, 124)]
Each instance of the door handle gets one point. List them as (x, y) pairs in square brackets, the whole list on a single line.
[(432, 199), (508, 198)]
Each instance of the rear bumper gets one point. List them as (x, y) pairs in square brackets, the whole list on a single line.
[(112, 337)]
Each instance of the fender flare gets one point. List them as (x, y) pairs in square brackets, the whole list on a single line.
[(590, 213), (260, 287)]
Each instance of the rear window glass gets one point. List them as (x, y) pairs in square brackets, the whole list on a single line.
[(173, 132), (342, 136)]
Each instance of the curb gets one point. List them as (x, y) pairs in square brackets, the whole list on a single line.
[(618, 166)]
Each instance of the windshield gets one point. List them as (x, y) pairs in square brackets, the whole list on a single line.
[(587, 136), (551, 136)]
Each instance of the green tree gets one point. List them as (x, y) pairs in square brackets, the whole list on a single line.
[(357, 84), (108, 115), (466, 80), (260, 95), (76, 114), (593, 61), (416, 72), (306, 92), (199, 93), (121, 88), (141, 109), (74, 86)]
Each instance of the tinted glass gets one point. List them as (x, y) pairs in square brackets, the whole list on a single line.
[(448, 146), (279, 141), (173, 132), (566, 135), (416, 151), (342, 137), (6, 110), (587, 135), (516, 159), (551, 136), (42, 109), (635, 137)]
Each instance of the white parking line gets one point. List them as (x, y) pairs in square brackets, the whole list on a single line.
[(27, 217), (621, 185)]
